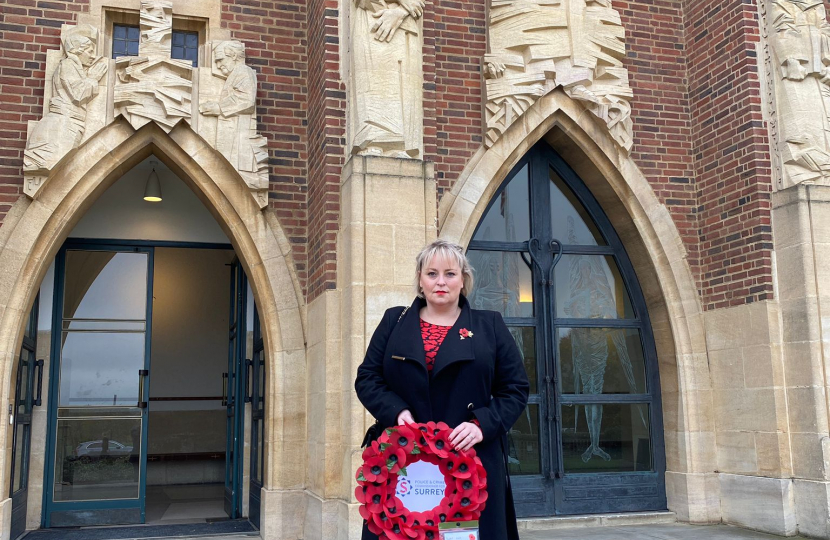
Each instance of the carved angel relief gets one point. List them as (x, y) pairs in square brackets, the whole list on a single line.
[(799, 39), (150, 87), (539, 45)]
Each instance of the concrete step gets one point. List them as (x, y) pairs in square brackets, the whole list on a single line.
[(596, 520)]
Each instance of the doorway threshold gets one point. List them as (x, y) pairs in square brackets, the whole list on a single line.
[(131, 532)]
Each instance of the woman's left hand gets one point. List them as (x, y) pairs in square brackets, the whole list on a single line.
[(465, 436)]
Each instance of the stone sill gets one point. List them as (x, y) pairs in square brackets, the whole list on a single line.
[(596, 520)]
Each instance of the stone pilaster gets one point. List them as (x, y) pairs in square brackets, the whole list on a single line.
[(388, 213)]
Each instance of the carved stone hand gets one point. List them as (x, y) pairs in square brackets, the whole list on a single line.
[(388, 22), (494, 70), (210, 108), (414, 7)]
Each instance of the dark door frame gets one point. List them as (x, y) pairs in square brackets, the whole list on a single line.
[(554, 491)]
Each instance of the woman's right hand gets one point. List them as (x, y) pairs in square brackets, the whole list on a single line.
[(405, 417)]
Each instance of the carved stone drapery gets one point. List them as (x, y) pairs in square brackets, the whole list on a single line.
[(385, 83), (74, 84), (150, 87), (538, 45), (798, 59)]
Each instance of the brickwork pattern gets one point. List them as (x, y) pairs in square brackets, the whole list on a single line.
[(455, 41), (274, 33), (327, 146), (733, 170)]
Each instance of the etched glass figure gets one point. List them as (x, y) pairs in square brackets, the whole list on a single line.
[(591, 297)]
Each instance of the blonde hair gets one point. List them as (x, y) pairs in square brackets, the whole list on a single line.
[(451, 252)]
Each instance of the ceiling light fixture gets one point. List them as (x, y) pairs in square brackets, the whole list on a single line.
[(152, 191)]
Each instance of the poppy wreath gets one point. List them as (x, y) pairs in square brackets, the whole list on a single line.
[(386, 458)]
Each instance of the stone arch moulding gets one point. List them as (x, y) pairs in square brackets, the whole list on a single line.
[(656, 250), (35, 229)]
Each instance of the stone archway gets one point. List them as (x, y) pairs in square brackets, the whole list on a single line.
[(35, 229), (656, 249)]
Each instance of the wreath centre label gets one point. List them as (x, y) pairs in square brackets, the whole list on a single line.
[(401, 505), (422, 487)]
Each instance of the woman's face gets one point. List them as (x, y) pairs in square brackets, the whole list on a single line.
[(441, 280)]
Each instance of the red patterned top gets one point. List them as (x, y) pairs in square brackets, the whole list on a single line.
[(433, 335)]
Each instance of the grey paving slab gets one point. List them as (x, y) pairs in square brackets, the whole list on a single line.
[(675, 531)]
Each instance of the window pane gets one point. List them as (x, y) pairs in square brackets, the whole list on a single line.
[(569, 219), (606, 438), (132, 33), (21, 434), (523, 454), (119, 31), (84, 470), (191, 40), (526, 341), (601, 361), (178, 38), (508, 219), (590, 287), (100, 369), (132, 48), (503, 283), (105, 285)]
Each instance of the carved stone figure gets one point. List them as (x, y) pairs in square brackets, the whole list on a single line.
[(799, 37), (539, 45), (236, 133), (386, 78), (74, 84), (152, 86)]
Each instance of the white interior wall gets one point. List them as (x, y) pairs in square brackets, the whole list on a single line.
[(122, 213)]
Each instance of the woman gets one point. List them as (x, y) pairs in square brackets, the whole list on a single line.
[(440, 360)]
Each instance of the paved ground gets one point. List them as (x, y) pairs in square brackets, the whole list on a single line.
[(672, 531)]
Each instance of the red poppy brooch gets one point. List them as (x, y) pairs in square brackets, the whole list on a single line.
[(464, 333), (465, 493)]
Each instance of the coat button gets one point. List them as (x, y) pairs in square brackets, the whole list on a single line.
[(470, 407)]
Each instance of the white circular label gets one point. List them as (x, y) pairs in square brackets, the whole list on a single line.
[(422, 488)]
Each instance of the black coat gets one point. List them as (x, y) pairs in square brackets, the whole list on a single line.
[(481, 377)]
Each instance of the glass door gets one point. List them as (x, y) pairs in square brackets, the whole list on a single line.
[(29, 374), (257, 396), (233, 384), (548, 259), (99, 373)]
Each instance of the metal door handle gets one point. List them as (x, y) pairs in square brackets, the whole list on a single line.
[(248, 373), (224, 389), (38, 401), (142, 399)]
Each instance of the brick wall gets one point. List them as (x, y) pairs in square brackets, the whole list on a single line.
[(327, 124), (731, 148), (455, 42), (274, 33)]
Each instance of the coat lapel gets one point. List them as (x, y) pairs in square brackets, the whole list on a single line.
[(454, 349)]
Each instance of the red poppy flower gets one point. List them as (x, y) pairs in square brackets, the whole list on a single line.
[(404, 437), (464, 333), (374, 469), (394, 458), (465, 467), (373, 496), (439, 444)]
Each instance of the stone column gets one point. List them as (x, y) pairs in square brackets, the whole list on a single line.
[(801, 227), (388, 213)]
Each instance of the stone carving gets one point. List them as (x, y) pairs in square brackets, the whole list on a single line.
[(539, 45), (152, 86), (386, 78), (236, 132), (75, 82), (799, 38)]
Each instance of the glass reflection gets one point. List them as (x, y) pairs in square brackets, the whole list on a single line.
[(590, 287), (523, 452), (568, 215), (97, 459), (526, 340), (100, 368), (503, 283), (508, 219), (105, 285), (625, 439), (601, 361)]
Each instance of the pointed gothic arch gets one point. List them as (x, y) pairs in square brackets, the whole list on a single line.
[(656, 249), (35, 229)]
